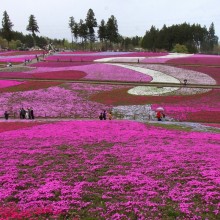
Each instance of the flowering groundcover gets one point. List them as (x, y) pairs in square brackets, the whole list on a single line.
[(109, 170)]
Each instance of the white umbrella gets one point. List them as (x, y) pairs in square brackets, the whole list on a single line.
[(160, 109)]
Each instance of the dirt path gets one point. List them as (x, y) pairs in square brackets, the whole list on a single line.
[(112, 82)]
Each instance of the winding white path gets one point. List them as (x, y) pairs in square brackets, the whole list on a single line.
[(157, 76)]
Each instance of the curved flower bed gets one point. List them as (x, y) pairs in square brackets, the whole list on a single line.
[(213, 72), (22, 53), (68, 56), (28, 86), (16, 59), (156, 77), (58, 64), (100, 72), (163, 73), (8, 83), (165, 58), (72, 75), (203, 60), (56, 101), (110, 169)]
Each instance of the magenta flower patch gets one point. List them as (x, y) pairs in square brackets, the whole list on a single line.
[(110, 169), (8, 83)]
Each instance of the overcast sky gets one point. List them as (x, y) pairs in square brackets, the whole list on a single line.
[(134, 16)]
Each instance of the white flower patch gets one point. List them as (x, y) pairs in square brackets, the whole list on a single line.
[(120, 59), (156, 76), (151, 90), (173, 55), (192, 76), (134, 112)]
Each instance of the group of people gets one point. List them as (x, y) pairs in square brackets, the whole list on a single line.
[(23, 113), (26, 61), (104, 115), (26, 114)]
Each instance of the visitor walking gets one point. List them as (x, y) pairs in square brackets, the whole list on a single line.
[(101, 116), (159, 116), (6, 115), (110, 115), (22, 113), (31, 113), (104, 115), (27, 114)]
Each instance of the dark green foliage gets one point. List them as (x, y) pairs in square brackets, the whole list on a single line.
[(102, 35), (112, 30), (7, 27), (32, 27), (194, 37), (91, 24)]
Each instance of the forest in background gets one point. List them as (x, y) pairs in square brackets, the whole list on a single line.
[(87, 34)]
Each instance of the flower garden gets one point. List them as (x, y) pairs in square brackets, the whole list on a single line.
[(67, 164)]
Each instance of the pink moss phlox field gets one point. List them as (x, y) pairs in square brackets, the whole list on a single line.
[(16, 59), (111, 169), (58, 64), (19, 75), (68, 56), (57, 101), (130, 54), (203, 108), (9, 83), (22, 53), (100, 71), (197, 59)]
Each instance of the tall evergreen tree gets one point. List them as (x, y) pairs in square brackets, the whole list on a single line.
[(71, 26), (76, 31), (212, 38), (150, 39), (83, 32), (91, 24), (112, 30), (7, 27), (102, 33), (32, 27)]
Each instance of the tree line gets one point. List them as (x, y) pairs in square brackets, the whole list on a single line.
[(186, 37), (85, 30), (87, 34)]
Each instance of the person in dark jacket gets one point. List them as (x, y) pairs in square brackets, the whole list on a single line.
[(31, 113), (104, 115), (22, 113), (101, 116), (6, 115)]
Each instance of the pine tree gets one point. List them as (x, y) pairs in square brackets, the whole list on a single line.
[(212, 38), (71, 26), (7, 25), (32, 27), (102, 33), (83, 32), (112, 30), (91, 24)]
